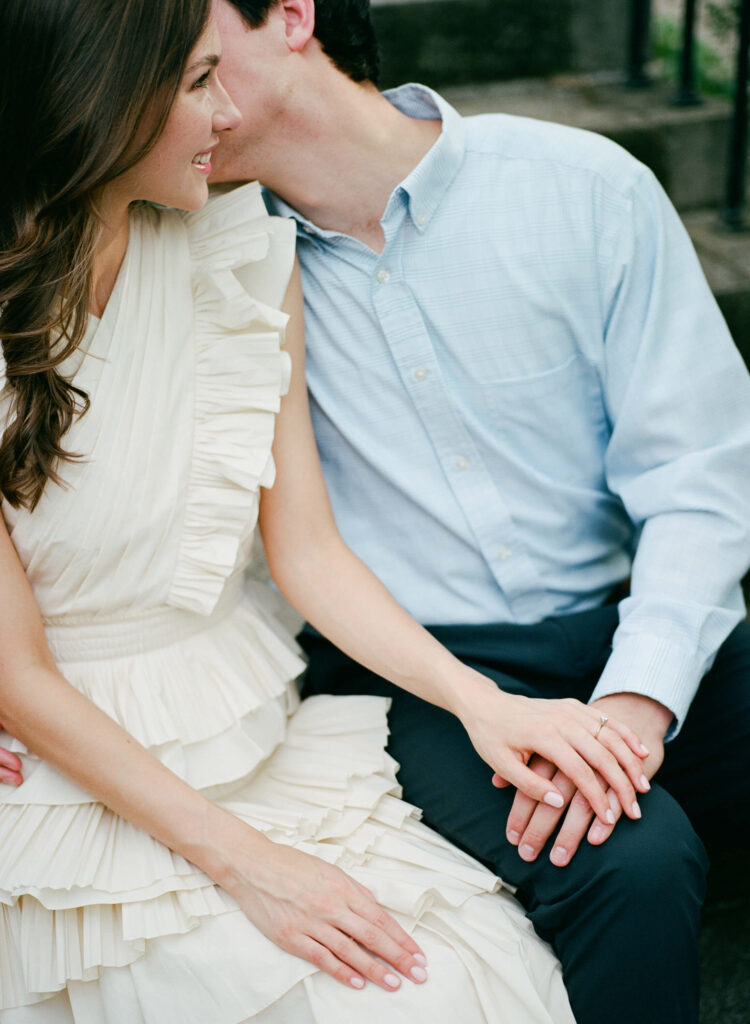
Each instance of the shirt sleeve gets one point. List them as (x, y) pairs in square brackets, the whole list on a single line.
[(678, 398)]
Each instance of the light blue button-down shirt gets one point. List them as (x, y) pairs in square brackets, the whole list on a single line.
[(528, 386)]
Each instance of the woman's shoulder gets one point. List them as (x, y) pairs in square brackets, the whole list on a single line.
[(234, 230)]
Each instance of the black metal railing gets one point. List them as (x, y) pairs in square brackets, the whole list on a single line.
[(737, 176), (638, 44), (688, 94)]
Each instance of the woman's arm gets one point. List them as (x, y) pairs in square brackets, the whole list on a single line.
[(306, 906), (63, 727), (339, 596)]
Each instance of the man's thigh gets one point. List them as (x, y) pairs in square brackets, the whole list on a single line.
[(443, 775), (622, 917), (439, 769), (707, 766)]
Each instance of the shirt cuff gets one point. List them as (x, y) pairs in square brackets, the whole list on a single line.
[(656, 668)]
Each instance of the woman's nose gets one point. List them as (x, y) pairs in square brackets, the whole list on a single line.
[(226, 115)]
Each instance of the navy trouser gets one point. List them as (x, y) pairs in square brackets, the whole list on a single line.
[(623, 918)]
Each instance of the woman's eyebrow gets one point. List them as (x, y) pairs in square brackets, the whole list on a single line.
[(212, 59)]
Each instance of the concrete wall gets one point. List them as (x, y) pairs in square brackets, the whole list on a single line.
[(443, 42)]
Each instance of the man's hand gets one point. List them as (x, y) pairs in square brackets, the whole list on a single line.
[(10, 767), (530, 824)]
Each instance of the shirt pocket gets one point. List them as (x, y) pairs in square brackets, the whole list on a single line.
[(553, 423)]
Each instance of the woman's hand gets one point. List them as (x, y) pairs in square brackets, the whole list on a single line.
[(315, 911), (530, 825), (10, 767), (506, 730)]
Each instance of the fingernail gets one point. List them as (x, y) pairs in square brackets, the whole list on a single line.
[(527, 852), (645, 751), (421, 959), (514, 837), (636, 810), (358, 983), (598, 832), (645, 784), (559, 855), (418, 973), (610, 817), (553, 799), (391, 981)]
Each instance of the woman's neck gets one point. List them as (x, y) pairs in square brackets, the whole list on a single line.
[(110, 251)]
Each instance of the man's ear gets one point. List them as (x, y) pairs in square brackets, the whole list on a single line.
[(299, 21)]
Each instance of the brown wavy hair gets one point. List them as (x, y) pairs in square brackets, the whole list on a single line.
[(80, 81)]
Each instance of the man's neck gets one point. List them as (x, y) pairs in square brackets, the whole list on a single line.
[(341, 170)]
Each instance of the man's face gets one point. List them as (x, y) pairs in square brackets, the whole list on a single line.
[(252, 71)]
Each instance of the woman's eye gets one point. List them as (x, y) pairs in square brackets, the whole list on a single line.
[(202, 82)]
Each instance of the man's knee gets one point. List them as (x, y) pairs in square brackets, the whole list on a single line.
[(661, 862), (631, 915), (648, 877)]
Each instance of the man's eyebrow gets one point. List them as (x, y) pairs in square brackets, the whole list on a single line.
[(212, 59)]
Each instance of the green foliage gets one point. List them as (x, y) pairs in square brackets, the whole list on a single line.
[(714, 58), (723, 17)]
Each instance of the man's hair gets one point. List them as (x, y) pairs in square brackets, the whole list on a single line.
[(342, 27)]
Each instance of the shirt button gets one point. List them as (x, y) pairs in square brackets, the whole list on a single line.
[(421, 219), (421, 374), (383, 276), (504, 554), (462, 463)]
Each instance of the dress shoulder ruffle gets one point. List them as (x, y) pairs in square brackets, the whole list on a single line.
[(241, 375)]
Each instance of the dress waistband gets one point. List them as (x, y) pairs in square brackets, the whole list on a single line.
[(89, 639)]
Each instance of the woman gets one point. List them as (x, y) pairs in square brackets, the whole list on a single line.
[(182, 849)]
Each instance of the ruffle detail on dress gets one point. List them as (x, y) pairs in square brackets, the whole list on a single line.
[(81, 890), (68, 856), (241, 375), (211, 707)]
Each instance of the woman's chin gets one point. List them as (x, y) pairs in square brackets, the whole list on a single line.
[(192, 198)]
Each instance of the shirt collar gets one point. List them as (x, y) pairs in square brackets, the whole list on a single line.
[(433, 175), (426, 185)]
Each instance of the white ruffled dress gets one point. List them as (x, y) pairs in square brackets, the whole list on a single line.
[(138, 568)]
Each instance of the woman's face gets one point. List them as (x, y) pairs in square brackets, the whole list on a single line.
[(175, 171)]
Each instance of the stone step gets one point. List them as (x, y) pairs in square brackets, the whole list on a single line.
[(725, 257), (685, 147), (443, 42)]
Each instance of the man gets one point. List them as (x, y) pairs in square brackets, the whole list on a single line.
[(524, 396)]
